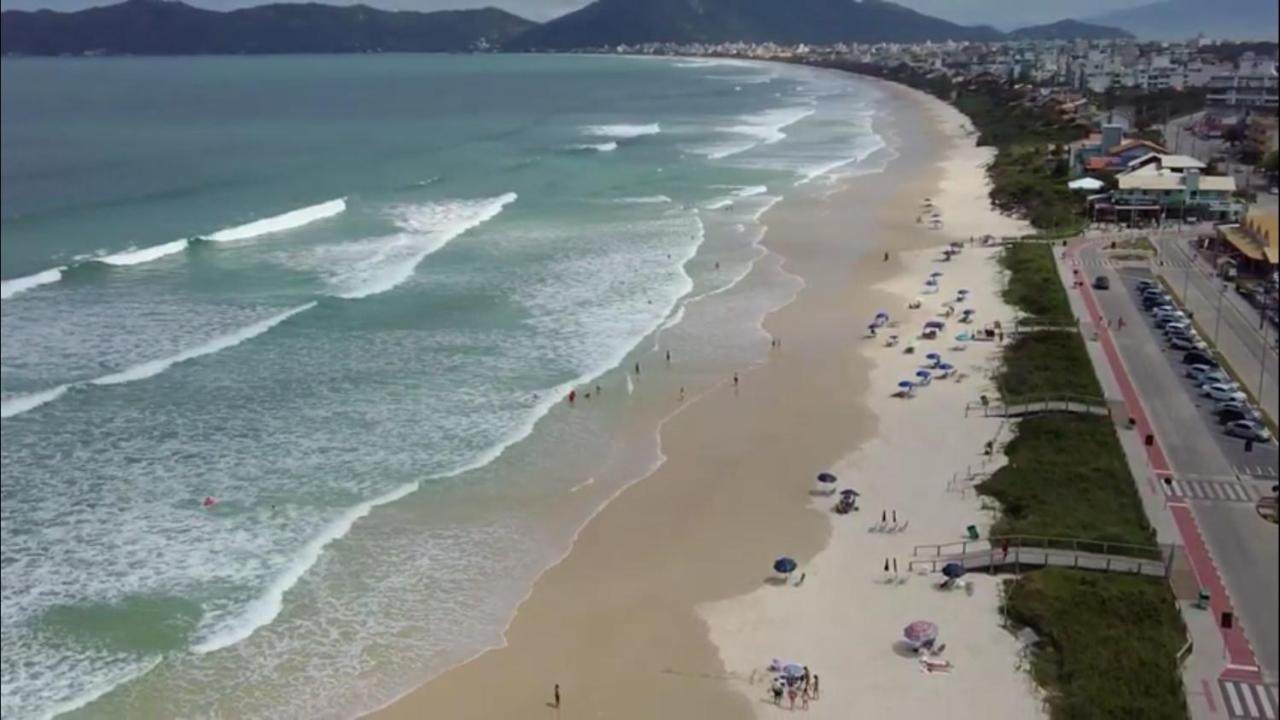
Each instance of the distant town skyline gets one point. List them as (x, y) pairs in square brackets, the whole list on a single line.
[(1003, 14)]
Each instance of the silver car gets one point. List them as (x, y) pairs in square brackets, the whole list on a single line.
[(1249, 430)]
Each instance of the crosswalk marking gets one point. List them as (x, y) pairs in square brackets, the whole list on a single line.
[(1248, 701), (1209, 491), (1262, 472)]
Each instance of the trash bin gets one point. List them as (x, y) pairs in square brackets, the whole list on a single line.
[(1202, 602), (972, 531)]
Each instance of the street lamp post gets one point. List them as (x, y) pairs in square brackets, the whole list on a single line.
[(1217, 318)]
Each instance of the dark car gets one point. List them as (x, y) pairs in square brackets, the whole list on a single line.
[(1233, 414), (1102, 282), (1153, 301), (1196, 357), (1146, 284)]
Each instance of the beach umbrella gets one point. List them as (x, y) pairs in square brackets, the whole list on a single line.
[(932, 356), (784, 565), (826, 478), (934, 325), (953, 570), (793, 670), (962, 292), (850, 492), (920, 631), (882, 315), (962, 337), (906, 384), (923, 374), (931, 282), (969, 312), (946, 367), (935, 274)]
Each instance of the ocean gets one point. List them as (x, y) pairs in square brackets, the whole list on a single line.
[(285, 344)]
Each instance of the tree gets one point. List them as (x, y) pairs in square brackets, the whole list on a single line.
[(1271, 163)]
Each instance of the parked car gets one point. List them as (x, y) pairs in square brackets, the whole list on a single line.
[(1223, 391), (1234, 414), (1151, 303), (1177, 328), (1102, 282), (1198, 357), (1223, 405), (1186, 343), (1217, 376), (1146, 285), (1161, 308), (1162, 321), (1249, 430), (1196, 371)]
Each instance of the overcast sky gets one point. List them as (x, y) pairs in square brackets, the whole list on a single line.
[(1001, 13)]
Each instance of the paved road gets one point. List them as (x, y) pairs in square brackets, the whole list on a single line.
[(1245, 548)]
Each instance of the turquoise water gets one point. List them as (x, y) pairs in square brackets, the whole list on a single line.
[(327, 292)]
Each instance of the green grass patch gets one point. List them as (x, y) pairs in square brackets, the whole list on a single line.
[(1034, 286), (1048, 362), (1108, 644), (1067, 478)]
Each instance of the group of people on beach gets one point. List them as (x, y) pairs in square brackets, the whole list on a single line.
[(803, 687)]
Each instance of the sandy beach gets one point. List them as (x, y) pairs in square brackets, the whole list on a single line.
[(666, 605)]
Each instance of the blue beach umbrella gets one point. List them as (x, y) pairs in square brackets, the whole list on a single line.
[(953, 570), (962, 291), (850, 492), (946, 366), (826, 478), (923, 374), (882, 315), (784, 565), (934, 325), (793, 671), (931, 282), (936, 274), (906, 384), (932, 356)]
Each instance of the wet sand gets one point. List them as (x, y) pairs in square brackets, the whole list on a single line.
[(616, 622)]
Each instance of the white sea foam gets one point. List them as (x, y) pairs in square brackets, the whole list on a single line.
[(279, 223), (427, 228), (622, 131), (137, 256), (643, 200), (9, 288), (768, 125), (263, 609), (222, 342), (597, 147), (19, 404)]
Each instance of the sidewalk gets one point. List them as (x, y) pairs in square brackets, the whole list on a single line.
[(1209, 650)]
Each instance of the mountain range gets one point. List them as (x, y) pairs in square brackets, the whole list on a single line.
[(160, 27), (168, 27), (1181, 19)]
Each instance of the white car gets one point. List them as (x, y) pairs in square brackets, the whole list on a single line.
[(1223, 391), (1186, 342), (1195, 372), (1249, 430), (1176, 328), (1217, 377)]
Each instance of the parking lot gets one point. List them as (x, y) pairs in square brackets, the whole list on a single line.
[(1260, 462)]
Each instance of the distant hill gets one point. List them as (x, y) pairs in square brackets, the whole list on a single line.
[(1069, 30), (614, 22), (161, 27), (1183, 19)]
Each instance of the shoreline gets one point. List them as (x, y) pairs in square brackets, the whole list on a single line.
[(531, 623)]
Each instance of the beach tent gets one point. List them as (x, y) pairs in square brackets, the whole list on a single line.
[(953, 570)]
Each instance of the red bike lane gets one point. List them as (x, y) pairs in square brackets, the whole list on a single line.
[(1243, 664)]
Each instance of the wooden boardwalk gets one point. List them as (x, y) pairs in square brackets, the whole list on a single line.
[(1028, 553), (1078, 406)]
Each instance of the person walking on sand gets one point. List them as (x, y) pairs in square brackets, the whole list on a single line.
[(668, 357), (573, 395), (681, 393), (637, 367), (556, 702), (815, 687), (735, 381), (791, 695)]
